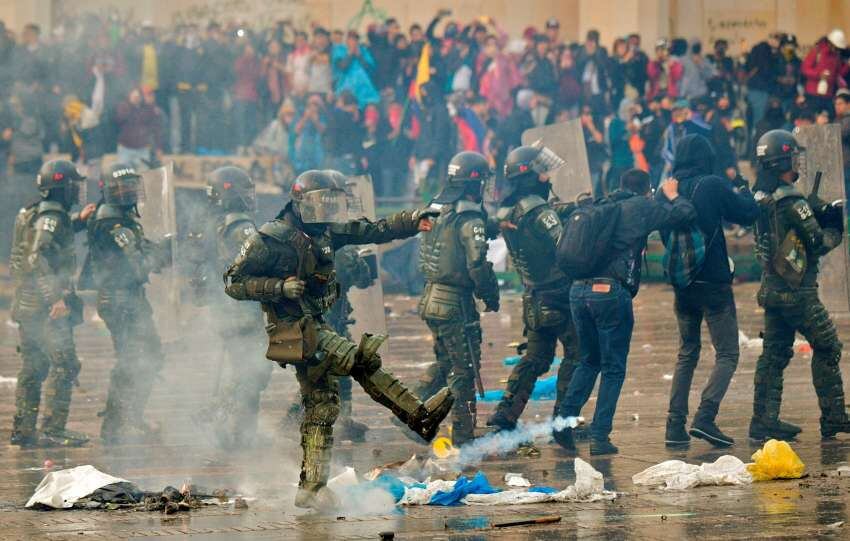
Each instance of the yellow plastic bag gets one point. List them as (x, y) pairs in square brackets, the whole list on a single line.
[(776, 460)]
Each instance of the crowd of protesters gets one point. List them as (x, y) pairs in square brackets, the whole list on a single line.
[(396, 103)]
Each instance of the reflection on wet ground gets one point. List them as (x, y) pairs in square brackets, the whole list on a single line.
[(815, 506)]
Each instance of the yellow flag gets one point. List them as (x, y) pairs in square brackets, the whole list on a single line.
[(423, 69)]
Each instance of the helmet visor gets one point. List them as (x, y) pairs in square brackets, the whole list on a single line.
[(546, 161), (127, 190), (323, 206)]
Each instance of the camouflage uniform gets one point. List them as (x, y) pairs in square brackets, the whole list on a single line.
[(453, 259), (43, 265), (545, 304), (120, 260), (299, 335), (791, 308)]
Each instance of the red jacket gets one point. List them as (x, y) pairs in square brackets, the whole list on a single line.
[(820, 59)]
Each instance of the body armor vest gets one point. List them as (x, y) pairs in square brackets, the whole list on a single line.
[(441, 257), (533, 256), (58, 224), (109, 266)]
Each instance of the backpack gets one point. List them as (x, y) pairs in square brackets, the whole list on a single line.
[(585, 244), (684, 252)]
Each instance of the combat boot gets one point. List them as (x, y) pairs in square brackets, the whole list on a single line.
[(426, 420), (500, 422), (602, 447), (62, 438), (565, 439), (24, 441), (776, 429)]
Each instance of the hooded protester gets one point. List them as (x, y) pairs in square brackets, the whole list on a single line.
[(709, 295)]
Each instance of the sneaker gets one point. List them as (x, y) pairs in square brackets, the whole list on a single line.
[(426, 422), (62, 438), (565, 439), (602, 447), (500, 423), (776, 429), (709, 432), (675, 435)]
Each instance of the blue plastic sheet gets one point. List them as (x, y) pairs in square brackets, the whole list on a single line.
[(544, 490), (463, 487), (514, 359), (544, 389)]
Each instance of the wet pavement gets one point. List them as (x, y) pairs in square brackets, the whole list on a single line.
[(805, 508)]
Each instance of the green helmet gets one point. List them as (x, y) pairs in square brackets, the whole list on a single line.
[(59, 180)]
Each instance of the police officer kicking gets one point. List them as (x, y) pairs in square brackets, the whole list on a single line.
[(288, 267), (792, 234), (46, 307)]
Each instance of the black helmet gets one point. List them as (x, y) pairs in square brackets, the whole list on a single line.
[(779, 151), (519, 161), (318, 199), (59, 180), (231, 188), (467, 173), (122, 185)]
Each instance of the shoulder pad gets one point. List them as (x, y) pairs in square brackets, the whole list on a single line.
[(278, 230), (108, 212), (236, 217), (50, 206), (462, 205), (527, 204), (787, 191)]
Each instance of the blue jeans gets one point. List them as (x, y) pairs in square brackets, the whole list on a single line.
[(758, 104), (604, 323)]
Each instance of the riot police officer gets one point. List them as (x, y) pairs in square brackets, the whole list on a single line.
[(453, 259), (46, 306), (791, 237), (288, 266), (234, 411), (120, 260), (531, 229)]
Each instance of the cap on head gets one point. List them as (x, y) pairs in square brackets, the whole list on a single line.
[(837, 39)]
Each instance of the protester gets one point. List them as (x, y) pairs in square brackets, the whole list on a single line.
[(709, 296), (602, 305)]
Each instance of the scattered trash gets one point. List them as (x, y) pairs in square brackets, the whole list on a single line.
[(776, 460), (386, 536), (804, 348), (61, 489), (647, 347), (678, 475), (12, 382), (516, 480), (48, 464), (513, 360), (544, 389), (442, 447), (528, 522), (835, 525), (240, 503), (85, 487), (843, 471), (589, 487), (667, 377)]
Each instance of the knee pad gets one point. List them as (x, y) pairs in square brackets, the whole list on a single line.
[(322, 408)]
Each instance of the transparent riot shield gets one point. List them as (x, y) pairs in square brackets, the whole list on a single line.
[(159, 219), (824, 154), (566, 139), (368, 304)]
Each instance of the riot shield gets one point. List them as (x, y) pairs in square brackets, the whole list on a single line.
[(824, 154), (566, 139), (159, 218), (368, 304)]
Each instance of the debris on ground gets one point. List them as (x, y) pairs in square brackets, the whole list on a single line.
[(528, 521), (544, 389), (12, 382), (85, 487), (776, 460), (516, 480), (678, 475), (746, 342)]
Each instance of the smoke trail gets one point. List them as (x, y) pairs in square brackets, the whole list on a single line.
[(499, 443)]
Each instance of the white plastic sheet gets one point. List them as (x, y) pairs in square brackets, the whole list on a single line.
[(61, 489), (678, 475)]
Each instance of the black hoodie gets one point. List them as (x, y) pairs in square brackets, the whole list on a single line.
[(715, 199)]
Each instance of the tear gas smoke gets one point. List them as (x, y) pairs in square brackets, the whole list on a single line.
[(499, 443)]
